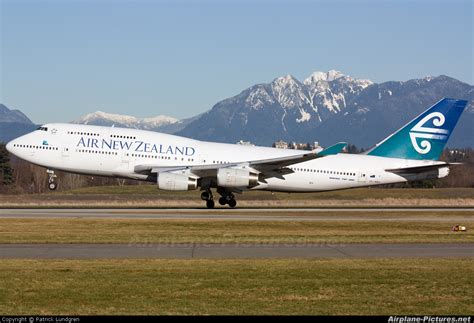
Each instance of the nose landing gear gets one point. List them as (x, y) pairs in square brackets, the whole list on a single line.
[(52, 185)]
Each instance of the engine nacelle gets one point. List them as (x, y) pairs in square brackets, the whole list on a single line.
[(231, 177), (176, 182)]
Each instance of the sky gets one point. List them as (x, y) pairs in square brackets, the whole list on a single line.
[(62, 59)]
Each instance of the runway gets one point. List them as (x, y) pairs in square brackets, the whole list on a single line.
[(230, 251), (295, 214)]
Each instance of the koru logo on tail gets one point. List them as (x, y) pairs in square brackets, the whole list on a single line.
[(419, 131)]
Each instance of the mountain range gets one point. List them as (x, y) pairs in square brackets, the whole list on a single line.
[(13, 123), (326, 107), (160, 123), (329, 107)]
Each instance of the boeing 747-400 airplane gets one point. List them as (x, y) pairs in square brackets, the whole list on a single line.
[(179, 164)]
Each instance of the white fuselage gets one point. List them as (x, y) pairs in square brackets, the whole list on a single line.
[(109, 151)]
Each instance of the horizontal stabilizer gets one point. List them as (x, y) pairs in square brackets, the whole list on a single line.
[(419, 169)]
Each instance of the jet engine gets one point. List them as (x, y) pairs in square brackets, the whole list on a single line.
[(231, 177), (176, 182)]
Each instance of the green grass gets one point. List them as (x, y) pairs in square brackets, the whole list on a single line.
[(291, 286), (144, 231)]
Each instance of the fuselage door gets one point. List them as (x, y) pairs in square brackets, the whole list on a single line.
[(362, 176), (65, 152), (204, 160), (32, 151), (125, 160)]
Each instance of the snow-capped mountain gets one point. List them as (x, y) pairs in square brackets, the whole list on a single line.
[(159, 123), (328, 107), (100, 118), (315, 97), (332, 90), (287, 105)]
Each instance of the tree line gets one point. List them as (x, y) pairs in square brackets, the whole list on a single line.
[(19, 177)]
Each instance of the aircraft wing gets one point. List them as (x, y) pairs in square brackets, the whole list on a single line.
[(272, 167), (262, 166), (276, 167)]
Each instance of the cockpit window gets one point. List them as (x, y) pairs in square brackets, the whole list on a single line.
[(43, 128)]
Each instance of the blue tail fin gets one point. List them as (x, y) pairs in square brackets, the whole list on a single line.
[(425, 136)]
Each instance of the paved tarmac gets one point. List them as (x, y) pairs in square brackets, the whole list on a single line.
[(232, 251), (313, 214)]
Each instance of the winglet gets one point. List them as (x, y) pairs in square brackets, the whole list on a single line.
[(333, 150)]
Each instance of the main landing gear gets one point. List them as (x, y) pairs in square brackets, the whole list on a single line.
[(207, 196), (226, 197), (52, 185)]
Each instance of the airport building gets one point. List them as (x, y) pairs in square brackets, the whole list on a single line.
[(280, 144)]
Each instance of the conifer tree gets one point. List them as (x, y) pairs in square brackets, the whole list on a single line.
[(6, 172)]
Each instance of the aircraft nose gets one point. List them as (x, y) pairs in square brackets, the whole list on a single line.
[(10, 146)]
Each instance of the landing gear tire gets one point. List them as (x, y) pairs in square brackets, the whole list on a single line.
[(232, 203), (51, 183), (222, 201), (206, 196), (210, 204)]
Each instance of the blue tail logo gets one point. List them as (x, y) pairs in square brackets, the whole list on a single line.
[(419, 131), (425, 136)]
